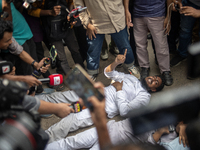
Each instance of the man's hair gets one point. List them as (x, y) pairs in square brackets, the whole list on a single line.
[(5, 26), (145, 85)]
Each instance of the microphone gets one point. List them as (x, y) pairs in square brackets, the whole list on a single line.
[(5, 67), (54, 79)]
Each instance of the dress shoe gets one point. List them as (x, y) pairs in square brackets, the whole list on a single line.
[(168, 78)]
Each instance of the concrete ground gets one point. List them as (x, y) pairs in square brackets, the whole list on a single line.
[(179, 74)]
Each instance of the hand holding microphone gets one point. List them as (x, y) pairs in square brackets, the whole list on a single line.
[(54, 79)]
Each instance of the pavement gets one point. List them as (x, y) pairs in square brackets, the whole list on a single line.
[(179, 74)]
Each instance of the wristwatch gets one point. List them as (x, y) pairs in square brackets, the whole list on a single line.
[(32, 64)]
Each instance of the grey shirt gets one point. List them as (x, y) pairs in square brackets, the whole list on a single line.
[(15, 48), (31, 103)]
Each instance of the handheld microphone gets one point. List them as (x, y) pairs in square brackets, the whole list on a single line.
[(5, 67), (54, 79)]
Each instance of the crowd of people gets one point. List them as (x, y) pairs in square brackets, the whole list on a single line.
[(25, 32)]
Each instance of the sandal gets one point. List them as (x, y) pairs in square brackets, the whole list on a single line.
[(59, 87)]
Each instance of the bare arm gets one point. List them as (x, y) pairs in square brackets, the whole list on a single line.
[(30, 80), (128, 14), (99, 118), (118, 60), (28, 59), (59, 109), (159, 133)]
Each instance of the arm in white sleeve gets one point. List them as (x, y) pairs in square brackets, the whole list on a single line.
[(115, 75), (141, 99)]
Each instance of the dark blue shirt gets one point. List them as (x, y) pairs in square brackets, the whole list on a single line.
[(148, 8)]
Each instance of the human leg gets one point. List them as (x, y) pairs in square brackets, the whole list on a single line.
[(40, 56), (84, 139), (73, 47), (59, 97), (104, 50), (155, 25), (23, 68), (185, 36), (140, 33), (64, 66), (93, 54), (80, 33), (70, 123), (122, 42)]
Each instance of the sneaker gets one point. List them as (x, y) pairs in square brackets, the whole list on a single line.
[(134, 71), (104, 54), (176, 60), (168, 78), (114, 50), (93, 77), (144, 72), (39, 89)]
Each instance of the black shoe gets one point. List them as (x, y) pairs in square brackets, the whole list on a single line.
[(176, 60), (168, 78), (93, 77), (39, 89), (149, 36), (144, 72)]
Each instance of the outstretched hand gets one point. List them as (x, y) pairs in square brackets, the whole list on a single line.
[(64, 110), (121, 58), (98, 114)]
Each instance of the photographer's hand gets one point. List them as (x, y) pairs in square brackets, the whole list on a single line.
[(99, 118), (30, 80), (178, 3), (56, 10), (63, 110)]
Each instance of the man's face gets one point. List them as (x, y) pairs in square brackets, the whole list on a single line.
[(153, 82), (6, 40)]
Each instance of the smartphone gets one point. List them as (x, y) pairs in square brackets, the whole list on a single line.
[(79, 81)]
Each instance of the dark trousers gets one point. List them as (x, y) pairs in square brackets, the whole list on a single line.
[(22, 68), (40, 56), (80, 34), (72, 44)]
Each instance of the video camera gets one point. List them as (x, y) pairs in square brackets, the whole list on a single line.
[(51, 59), (26, 3), (74, 14), (19, 129)]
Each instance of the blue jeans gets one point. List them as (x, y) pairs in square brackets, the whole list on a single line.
[(187, 24), (95, 45)]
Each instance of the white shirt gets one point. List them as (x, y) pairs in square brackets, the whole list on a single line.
[(132, 95)]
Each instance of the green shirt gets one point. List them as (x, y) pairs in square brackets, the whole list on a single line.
[(21, 30)]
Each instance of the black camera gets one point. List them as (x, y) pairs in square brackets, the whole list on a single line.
[(19, 129)]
